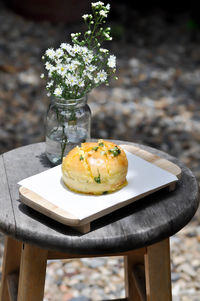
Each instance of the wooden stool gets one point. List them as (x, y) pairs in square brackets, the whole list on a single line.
[(139, 232), (24, 274)]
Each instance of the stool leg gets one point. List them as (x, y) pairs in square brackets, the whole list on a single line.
[(131, 260), (32, 273), (11, 263), (157, 272)]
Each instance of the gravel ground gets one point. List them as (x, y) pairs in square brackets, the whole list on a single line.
[(154, 102)]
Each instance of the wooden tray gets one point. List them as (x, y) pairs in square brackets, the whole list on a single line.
[(40, 204)]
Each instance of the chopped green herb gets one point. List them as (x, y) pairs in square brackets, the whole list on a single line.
[(101, 144), (81, 157), (115, 151), (95, 148), (105, 192), (97, 179)]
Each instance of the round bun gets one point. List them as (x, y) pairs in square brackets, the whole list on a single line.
[(95, 168)]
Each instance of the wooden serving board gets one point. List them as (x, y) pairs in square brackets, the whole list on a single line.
[(53, 211)]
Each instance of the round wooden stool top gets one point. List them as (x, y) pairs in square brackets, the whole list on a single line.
[(142, 223)]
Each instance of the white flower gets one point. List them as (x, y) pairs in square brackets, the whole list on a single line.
[(81, 83), (102, 75), (103, 13), (87, 60), (64, 46), (42, 75), (49, 66), (84, 50), (111, 61), (58, 91), (61, 69), (48, 94), (91, 68), (85, 16), (50, 53), (103, 50), (70, 67), (106, 35), (59, 52), (76, 48), (49, 84), (71, 80), (96, 80), (88, 32), (94, 4), (67, 47)]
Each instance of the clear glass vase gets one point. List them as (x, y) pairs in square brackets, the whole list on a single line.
[(68, 123)]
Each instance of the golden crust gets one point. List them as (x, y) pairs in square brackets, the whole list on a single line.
[(95, 167)]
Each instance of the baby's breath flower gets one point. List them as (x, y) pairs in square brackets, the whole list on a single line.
[(96, 80), (111, 61), (102, 75), (49, 84), (58, 91), (42, 75), (74, 69), (103, 13), (85, 17), (103, 50), (50, 53), (71, 80), (63, 46), (91, 68), (76, 48), (48, 66), (94, 4), (59, 52), (80, 83)]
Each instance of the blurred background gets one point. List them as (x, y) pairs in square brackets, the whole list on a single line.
[(156, 100)]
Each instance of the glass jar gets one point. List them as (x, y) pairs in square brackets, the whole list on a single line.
[(68, 123)]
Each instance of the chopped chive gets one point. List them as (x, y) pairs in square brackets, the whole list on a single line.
[(95, 148), (101, 144), (115, 151), (81, 157), (97, 179)]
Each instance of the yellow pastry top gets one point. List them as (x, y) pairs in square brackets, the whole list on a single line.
[(95, 167)]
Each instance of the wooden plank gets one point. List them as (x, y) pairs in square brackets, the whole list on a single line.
[(7, 221), (122, 299), (157, 271), (63, 255), (139, 277), (131, 288), (12, 283), (11, 264), (32, 273)]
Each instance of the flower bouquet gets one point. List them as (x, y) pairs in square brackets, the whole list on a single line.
[(72, 71)]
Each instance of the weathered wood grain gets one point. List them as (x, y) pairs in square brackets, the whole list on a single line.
[(7, 221), (137, 225)]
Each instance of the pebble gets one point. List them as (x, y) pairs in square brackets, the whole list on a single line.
[(154, 102)]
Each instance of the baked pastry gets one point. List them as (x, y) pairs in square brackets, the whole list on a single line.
[(95, 168)]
